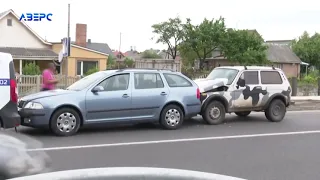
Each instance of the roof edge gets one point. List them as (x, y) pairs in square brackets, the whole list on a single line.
[(25, 24), (88, 49)]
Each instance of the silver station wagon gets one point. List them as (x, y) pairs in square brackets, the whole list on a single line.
[(114, 96)]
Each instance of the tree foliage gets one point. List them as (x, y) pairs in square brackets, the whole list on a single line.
[(91, 71), (244, 47), (31, 69), (203, 39), (128, 62), (150, 54), (307, 48), (170, 33)]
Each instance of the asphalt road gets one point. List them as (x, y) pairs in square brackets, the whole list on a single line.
[(250, 148)]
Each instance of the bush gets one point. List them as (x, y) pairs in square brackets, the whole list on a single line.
[(31, 69), (91, 71)]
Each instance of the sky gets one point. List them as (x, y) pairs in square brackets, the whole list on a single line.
[(106, 19)]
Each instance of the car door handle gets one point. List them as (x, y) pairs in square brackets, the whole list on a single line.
[(163, 93), (125, 96)]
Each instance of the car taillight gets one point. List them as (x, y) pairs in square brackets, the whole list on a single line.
[(13, 91), (198, 93)]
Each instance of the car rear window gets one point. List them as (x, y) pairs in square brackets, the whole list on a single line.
[(175, 80), (270, 77)]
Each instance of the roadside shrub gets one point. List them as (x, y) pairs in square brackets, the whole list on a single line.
[(31, 69), (91, 71)]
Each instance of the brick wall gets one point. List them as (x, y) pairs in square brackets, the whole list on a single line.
[(81, 35)]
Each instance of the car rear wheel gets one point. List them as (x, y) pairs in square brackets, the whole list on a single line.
[(276, 111), (65, 122), (243, 113), (214, 113), (171, 117)]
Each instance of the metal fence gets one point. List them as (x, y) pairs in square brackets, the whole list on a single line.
[(32, 84), (171, 64)]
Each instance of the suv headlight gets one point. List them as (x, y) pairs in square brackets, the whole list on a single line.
[(33, 105)]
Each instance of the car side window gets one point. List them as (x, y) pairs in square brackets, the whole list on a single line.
[(250, 77), (175, 80), (116, 83), (270, 77), (147, 81)]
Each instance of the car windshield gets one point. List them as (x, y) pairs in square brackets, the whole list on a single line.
[(229, 74), (86, 81)]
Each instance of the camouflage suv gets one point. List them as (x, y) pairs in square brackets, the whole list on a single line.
[(242, 89)]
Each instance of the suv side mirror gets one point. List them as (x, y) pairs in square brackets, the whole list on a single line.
[(97, 89), (241, 82)]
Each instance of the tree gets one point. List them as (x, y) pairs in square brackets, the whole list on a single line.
[(203, 39), (171, 33), (188, 56), (31, 69), (128, 62), (244, 47), (150, 54), (307, 48)]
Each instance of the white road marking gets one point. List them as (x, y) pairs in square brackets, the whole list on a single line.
[(305, 111), (175, 140)]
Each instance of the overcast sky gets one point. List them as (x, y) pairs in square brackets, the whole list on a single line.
[(273, 19)]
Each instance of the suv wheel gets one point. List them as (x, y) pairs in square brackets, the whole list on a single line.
[(243, 113), (65, 122), (171, 117), (276, 111), (214, 113)]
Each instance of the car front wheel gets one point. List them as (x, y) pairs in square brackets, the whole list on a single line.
[(171, 117), (276, 111), (214, 113), (65, 122)]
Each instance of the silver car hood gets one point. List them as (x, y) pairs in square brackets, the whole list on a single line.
[(210, 84)]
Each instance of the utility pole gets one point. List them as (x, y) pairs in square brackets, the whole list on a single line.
[(68, 40), (119, 50)]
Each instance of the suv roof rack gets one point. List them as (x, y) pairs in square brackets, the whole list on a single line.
[(119, 70), (273, 67), (245, 67)]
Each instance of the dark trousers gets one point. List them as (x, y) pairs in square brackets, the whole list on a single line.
[(45, 89)]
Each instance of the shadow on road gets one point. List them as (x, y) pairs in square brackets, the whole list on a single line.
[(107, 128)]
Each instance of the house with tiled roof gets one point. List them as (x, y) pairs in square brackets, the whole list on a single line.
[(84, 54), (279, 53), (24, 44)]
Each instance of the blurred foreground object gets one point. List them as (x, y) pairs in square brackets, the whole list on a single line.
[(15, 158), (128, 173)]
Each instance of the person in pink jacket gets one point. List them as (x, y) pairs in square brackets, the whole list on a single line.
[(48, 80)]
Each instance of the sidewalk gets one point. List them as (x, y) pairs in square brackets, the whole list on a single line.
[(305, 98)]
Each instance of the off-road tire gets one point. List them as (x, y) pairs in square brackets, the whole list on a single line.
[(54, 119), (276, 111), (243, 113), (208, 117), (174, 109)]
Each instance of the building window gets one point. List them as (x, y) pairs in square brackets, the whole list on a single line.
[(9, 22), (84, 66)]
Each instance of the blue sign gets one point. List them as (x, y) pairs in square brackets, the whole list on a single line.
[(4, 82), (35, 16)]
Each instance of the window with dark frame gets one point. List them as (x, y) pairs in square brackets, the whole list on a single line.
[(251, 77), (84, 66), (9, 22), (175, 80), (147, 81), (270, 77)]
